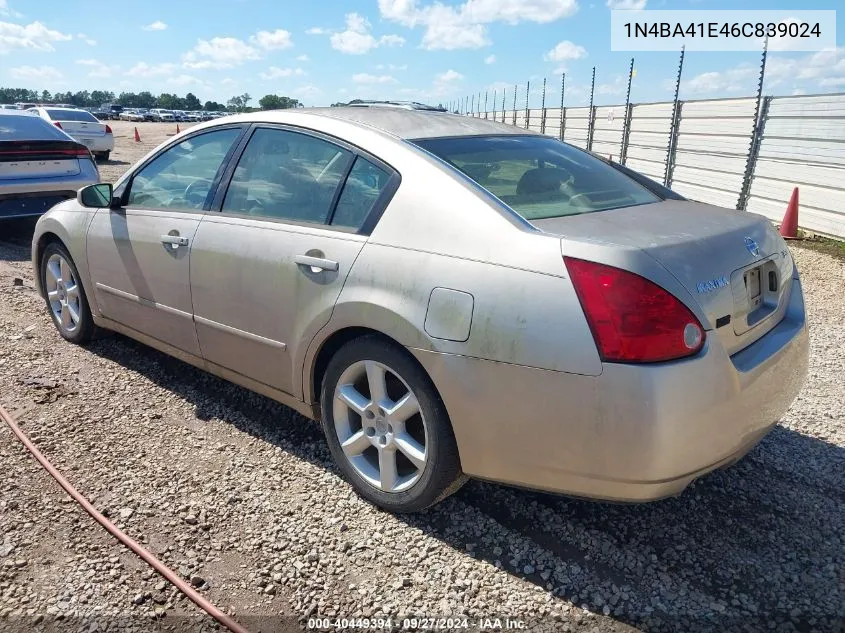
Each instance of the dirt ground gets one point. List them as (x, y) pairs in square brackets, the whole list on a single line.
[(127, 152), (239, 495)]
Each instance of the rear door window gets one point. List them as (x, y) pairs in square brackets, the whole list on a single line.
[(539, 177)]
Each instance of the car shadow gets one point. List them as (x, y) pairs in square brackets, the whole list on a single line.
[(16, 235), (759, 546), (112, 161)]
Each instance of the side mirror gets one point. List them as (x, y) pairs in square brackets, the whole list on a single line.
[(97, 196)]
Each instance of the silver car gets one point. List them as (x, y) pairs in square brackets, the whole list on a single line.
[(451, 297), (40, 165)]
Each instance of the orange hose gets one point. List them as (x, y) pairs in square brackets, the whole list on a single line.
[(151, 560)]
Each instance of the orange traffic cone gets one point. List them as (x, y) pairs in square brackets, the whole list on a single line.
[(177, 128), (137, 136), (789, 226)]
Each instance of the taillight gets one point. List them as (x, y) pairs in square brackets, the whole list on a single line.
[(57, 124), (633, 320), (108, 129)]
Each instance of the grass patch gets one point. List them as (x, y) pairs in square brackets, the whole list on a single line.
[(836, 248)]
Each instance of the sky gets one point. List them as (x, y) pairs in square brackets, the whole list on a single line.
[(433, 51)]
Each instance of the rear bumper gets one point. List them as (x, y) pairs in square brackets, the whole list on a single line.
[(31, 204), (634, 433)]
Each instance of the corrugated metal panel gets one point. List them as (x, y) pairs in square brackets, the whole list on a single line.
[(714, 139), (648, 141), (577, 123), (803, 146)]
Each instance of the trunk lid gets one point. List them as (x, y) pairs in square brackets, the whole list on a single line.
[(87, 129), (733, 263), (20, 160)]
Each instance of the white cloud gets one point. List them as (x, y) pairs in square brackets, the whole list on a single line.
[(43, 73), (309, 91), (228, 81), (278, 73), (464, 26), (357, 39), (392, 67), (272, 40), (219, 52), (391, 40), (186, 80), (34, 36), (490, 59), (635, 5), (616, 87), (158, 25), (449, 75), (142, 69), (98, 70), (303, 58), (6, 10), (88, 40), (737, 79), (565, 51), (317, 30), (798, 92), (364, 78)]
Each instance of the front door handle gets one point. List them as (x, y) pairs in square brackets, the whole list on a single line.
[(175, 240), (316, 264)]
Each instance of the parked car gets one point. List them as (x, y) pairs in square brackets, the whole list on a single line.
[(113, 109), (132, 115), (40, 165), (162, 116), (450, 296), (82, 126), (8, 106), (101, 115)]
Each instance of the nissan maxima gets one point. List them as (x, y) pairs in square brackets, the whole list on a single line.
[(450, 297)]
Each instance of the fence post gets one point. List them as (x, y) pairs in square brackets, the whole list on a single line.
[(626, 135), (591, 121), (504, 101), (754, 154), (513, 122), (562, 109), (623, 150), (543, 109), (527, 93), (672, 151), (673, 129), (761, 111), (485, 105)]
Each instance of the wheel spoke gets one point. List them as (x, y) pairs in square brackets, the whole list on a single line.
[(376, 381), (404, 408), (74, 314), (353, 398), (53, 295), (65, 270), (411, 449), (65, 318), (387, 469), (53, 272), (72, 292), (356, 444)]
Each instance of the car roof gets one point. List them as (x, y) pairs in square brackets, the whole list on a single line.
[(402, 123), (61, 109), (23, 125)]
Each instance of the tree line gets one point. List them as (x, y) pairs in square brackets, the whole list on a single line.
[(145, 99)]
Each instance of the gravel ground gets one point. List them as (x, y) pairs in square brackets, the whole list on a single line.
[(239, 494)]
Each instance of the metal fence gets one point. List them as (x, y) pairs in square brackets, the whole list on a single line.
[(741, 153)]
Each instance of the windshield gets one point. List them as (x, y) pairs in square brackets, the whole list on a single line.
[(71, 115), (539, 177)]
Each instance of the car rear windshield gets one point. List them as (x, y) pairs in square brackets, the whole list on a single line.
[(70, 115), (28, 127), (539, 177)]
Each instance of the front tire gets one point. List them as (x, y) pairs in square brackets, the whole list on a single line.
[(65, 296), (386, 427)]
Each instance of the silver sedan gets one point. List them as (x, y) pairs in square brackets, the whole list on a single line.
[(450, 297)]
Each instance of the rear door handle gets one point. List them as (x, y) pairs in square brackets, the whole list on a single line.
[(316, 263), (175, 240)]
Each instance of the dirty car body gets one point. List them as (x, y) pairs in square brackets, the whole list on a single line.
[(574, 330)]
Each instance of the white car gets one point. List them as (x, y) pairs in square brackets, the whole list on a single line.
[(83, 127), (163, 116)]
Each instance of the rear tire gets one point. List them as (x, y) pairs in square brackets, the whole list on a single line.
[(387, 429), (103, 156), (65, 296)]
